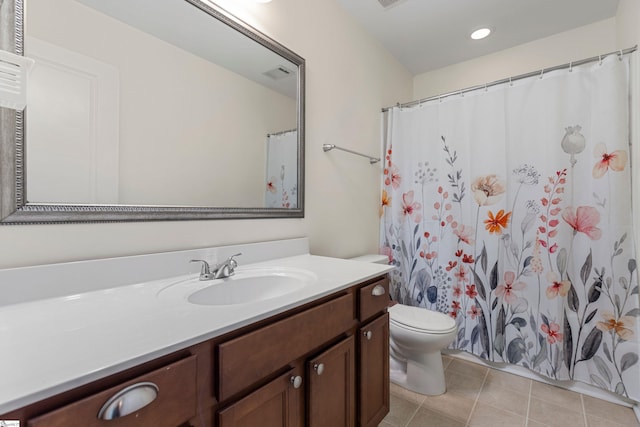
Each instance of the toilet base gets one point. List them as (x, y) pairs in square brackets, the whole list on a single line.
[(424, 376)]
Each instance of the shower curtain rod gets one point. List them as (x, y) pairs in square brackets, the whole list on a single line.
[(620, 52), (282, 132)]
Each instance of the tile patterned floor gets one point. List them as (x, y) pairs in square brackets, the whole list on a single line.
[(482, 397)]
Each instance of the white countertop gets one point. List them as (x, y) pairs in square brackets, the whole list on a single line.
[(55, 344)]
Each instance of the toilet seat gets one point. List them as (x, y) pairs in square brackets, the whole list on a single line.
[(419, 319)]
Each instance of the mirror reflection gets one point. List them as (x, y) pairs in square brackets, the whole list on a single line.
[(169, 108)]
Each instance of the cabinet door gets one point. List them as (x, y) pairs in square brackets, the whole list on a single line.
[(331, 386), (374, 371), (277, 403)]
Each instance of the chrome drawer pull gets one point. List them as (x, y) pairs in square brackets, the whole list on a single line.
[(296, 380), (378, 290), (129, 400)]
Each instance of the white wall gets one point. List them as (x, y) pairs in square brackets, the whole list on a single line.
[(628, 23), (580, 43), (349, 78)]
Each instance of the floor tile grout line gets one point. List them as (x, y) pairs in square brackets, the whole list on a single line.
[(526, 420), (475, 402), (584, 409), (413, 415)]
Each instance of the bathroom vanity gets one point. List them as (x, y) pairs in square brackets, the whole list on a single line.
[(315, 355)]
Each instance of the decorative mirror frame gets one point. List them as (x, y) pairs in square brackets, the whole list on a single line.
[(14, 208)]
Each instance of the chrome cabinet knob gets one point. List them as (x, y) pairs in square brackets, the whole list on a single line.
[(319, 368), (367, 334), (296, 380)]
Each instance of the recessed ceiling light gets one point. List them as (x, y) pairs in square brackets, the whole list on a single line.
[(480, 33)]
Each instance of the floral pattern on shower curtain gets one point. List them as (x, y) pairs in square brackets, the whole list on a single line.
[(509, 209), (282, 170)]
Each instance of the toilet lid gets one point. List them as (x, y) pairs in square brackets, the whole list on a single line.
[(421, 319)]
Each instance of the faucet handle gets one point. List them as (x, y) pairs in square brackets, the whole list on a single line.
[(232, 262), (205, 271)]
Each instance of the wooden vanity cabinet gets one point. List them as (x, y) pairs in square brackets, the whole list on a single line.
[(325, 363), (373, 353)]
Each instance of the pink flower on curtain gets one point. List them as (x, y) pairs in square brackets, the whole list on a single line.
[(615, 161), (621, 326), (457, 291), (461, 273), (473, 311), (506, 290), (464, 233), (583, 220), (553, 332), (411, 208), (487, 190), (558, 287), (393, 177)]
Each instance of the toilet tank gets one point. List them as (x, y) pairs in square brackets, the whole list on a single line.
[(373, 258)]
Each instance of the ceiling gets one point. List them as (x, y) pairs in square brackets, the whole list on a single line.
[(428, 34)]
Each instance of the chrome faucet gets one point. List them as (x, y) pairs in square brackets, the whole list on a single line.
[(220, 271)]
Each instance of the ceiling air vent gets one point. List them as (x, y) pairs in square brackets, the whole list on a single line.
[(388, 3), (278, 73)]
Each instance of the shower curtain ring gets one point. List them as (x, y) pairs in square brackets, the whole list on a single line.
[(620, 55), (571, 66), (600, 59), (541, 73)]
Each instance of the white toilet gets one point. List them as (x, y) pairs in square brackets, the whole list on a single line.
[(417, 336)]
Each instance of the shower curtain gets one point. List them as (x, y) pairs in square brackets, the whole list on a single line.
[(509, 209), (282, 170)]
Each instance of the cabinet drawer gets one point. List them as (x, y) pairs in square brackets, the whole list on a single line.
[(245, 360), (373, 298), (175, 402)]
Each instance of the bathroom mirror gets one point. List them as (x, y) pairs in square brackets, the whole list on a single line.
[(182, 113)]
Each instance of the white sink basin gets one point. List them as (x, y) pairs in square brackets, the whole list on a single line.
[(244, 287)]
